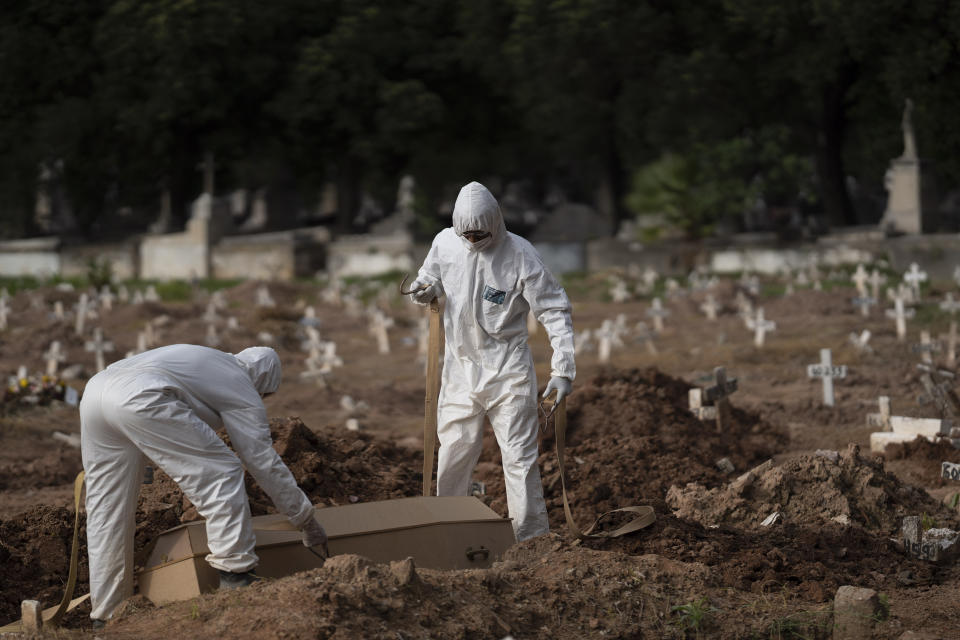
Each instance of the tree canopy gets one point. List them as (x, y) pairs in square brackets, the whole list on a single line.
[(695, 108)]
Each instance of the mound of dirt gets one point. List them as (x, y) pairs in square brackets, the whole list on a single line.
[(844, 489), (925, 457), (57, 467)]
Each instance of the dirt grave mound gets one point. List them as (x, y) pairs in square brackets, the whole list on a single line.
[(841, 488), (925, 457), (56, 467)]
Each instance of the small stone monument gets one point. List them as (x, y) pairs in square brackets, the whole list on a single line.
[(906, 192)]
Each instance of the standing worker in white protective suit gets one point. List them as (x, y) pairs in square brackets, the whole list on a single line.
[(492, 279), (165, 405)]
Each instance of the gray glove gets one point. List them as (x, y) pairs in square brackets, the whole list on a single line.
[(561, 385), (427, 294), (313, 534)]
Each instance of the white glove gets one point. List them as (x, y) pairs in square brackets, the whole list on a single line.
[(427, 294), (561, 385), (313, 534)]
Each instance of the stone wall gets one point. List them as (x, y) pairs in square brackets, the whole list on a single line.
[(371, 255), (123, 259), (31, 257), (282, 255)]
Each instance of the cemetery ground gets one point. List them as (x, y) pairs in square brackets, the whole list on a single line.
[(708, 566)]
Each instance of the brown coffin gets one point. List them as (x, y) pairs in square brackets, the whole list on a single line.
[(439, 533)]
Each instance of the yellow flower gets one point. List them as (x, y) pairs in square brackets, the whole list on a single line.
[(24, 382)]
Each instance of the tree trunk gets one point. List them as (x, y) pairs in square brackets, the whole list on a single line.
[(830, 166)]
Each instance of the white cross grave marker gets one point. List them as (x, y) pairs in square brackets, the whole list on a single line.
[(379, 324), (54, 357), (210, 316), (151, 294), (619, 292), (263, 297), (608, 336), (881, 420), (658, 313), (4, 312), (861, 342), (644, 335), (99, 346), (760, 326), (106, 297), (864, 302), (212, 339), (710, 307), (58, 312), (138, 297), (876, 281), (914, 277), (926, 347), (827, 371), (860, 280), (900, 315), (309, 318), (950, 305), (951, 358), (719, 395), (81, 319)]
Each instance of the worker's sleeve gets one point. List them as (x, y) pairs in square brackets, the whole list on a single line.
[(249, 434), (429, 272), (551, 307)]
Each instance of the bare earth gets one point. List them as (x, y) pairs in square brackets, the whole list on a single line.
[(631, 441)]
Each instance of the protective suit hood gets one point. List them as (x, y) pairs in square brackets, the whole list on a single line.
[(477, 210), (262, 364)]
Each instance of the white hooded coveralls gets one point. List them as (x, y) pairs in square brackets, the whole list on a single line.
[(488, 370), (166, 404)]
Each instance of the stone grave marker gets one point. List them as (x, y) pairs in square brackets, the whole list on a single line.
[(695, 398), (58, 312), (650, 277), (950, 305), (876, 281), (106, 297), (54, 356), (310, 318), (380, 323), (900, 315), (826, 371), (951, 356), (950, 471), (658, 313), (643, 334), (710, 307), (81, 314), (619, 292), (212, 338), (210, 315), (99, 346), (760, 326), (607, 337), (264, 299), (864, 303), (941, 393), (232, 323), (137, 297), (913, 277), (881, 419), (4, 313), (218, 299), (313, 341), (861, 341), (860, 278), (150, 295), (719, 395), (802, 279), (926, 348)]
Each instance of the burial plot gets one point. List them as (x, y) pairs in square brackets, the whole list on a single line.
[(826, 371), (99, 346), (881, 419)]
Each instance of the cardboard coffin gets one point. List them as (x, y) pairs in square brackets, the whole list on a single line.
[(440, 533)]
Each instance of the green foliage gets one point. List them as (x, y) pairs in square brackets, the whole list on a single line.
[(954, 501), (692, 615), (802, 625), (927, 522), (99, 272), (884, 611)]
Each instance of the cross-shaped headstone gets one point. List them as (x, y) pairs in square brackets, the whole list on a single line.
[(137, 297), (313, 340), (99, 346), (54, 356), (643, 334), (827, 371), (607, 336), (619, 291), (658, 313), (81, 319), (212, 339), (719, 395), (926, 347), (876, 281), (379, 324), (900, 314), (950, 305), (861, 342), (650, 277), (309, 318), (761, 326), (58, 312), (864, 302), (951, 356), (315, 372), (860, 278), (210, 315), (802, 279), (710, 307), (695, 398), (914, 276), (263, 297), (4, 313), (218, 299), (151, 295), (881, 420), (106, 297)]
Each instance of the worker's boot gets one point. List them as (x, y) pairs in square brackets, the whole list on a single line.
[(230, 580)]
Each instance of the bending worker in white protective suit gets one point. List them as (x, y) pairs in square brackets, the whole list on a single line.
[(491, 279), (165, 405)]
